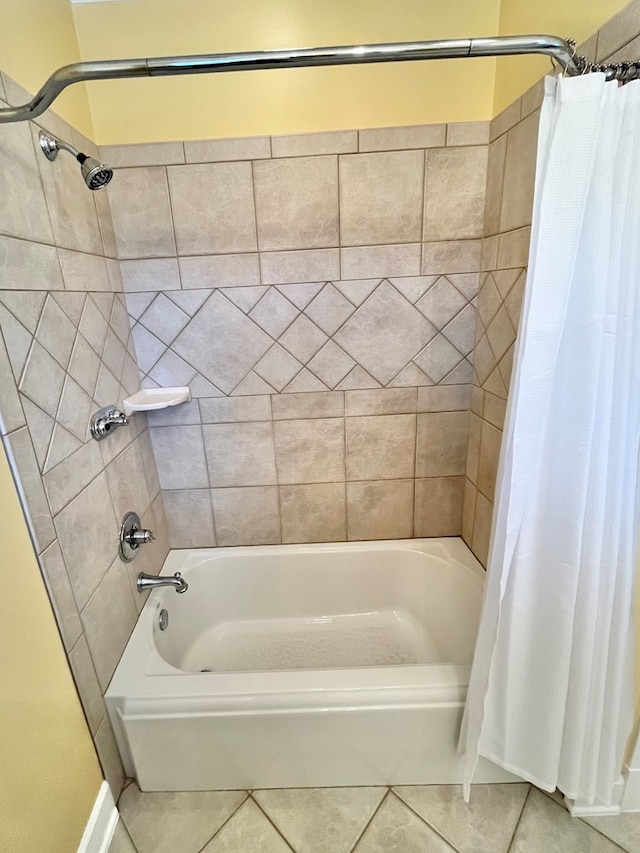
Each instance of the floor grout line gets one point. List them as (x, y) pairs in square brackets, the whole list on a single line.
[(221, 827), (606, 837), (425, 821), (549, 796), (124, 826), (273, 824), (515, 829), (368, 823)]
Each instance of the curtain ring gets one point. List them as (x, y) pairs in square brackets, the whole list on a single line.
[(572, 43)]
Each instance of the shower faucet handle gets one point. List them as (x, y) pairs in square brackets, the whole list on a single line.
[(140, 537), (106, 420), (132, 536)]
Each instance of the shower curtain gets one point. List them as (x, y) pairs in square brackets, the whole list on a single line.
[(551, 690)]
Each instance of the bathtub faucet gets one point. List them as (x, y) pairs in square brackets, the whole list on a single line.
[(145, 582)]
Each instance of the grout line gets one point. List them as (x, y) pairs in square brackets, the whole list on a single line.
[(423, 210), (339, 193), (121, 821), (255, 206), (220, 828), (274, 825), (76, 681), (276, 469), (606, 837), (369, 822), (172, 218), (415, 471), (310, 483), (516, 827), (31, 127), (425, 821)]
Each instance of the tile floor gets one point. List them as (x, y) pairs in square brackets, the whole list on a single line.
[(515, 818)]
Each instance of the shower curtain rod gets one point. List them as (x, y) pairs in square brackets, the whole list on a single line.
[(562, 50), (559, 49)]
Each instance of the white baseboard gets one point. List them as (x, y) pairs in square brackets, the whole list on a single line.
[(576, 809), (101, 824), (580, 808), (631, 795)]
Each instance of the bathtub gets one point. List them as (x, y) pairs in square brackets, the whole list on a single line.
[(302, 666)]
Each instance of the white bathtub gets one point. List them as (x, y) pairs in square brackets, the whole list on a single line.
[(302, 665)]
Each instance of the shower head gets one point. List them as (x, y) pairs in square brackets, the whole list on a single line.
[(95, 174)]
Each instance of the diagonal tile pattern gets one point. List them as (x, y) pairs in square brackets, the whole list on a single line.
[(321, 818), (168, 822), (396, 829), (385, 333), (504, 818), (248, 829), (498, 315), (369, 330), (222, 343), (484, 825)]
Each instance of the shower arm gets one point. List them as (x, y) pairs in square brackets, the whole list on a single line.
[(562, 50)]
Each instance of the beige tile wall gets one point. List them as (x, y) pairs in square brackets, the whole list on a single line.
[(314, 467), (330, 298), (505, 248), (65, 350), (315, 266), (505, 254)]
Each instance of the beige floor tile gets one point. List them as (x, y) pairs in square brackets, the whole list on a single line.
[(248, 831), (396, 829), (485, 825), (545, 827), (315, 820), (624, 829), (172, 822), (121, 843)]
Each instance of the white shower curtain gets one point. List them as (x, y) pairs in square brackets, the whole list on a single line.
[(551, 689)]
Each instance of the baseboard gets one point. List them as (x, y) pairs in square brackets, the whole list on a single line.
[(631, 795), (579, 808), (101, 824)]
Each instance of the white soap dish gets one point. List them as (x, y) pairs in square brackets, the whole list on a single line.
[(155, 398)]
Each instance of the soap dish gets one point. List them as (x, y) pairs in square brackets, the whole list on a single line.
[(150, 399)]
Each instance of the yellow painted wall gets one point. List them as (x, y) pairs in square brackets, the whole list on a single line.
[(576, 19), (36, 37), (49, 773), (293, 100)]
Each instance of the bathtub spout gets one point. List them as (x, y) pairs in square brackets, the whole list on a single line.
[(146, 582)]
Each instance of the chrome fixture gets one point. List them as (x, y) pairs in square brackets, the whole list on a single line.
[(559, 49), (95, 174), (163, 617), (132, 536), (146, 582), (106, 420)]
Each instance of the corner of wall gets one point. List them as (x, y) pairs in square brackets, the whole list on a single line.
[(35, 39)]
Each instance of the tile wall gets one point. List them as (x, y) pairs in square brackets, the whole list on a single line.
[(318, 294), (343, 305), (505, 253), (505, 250), (65, 351)]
